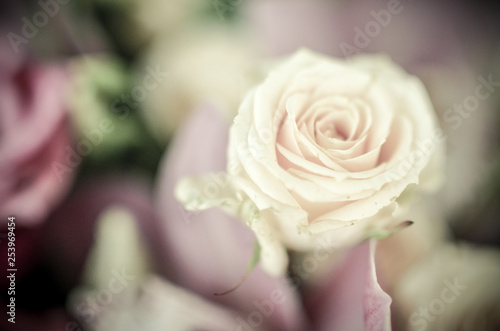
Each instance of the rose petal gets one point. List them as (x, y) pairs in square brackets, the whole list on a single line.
[(352, 299)]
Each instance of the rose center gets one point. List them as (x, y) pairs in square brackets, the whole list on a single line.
[(338, 125)]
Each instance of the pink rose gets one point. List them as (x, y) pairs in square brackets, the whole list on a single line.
[(34, 134)]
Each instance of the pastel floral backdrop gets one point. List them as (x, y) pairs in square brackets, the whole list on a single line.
[(249, 165)]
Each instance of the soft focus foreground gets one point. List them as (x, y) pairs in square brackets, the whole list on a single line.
[(107, 105)]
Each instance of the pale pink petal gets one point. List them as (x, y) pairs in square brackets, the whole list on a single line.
[(351, 298), (377, 313)]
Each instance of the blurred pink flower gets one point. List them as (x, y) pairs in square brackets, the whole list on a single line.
[(350, 298), (34, 134)]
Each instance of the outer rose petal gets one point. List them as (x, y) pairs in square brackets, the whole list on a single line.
[(210, 250), (377, 313), (352, 299)]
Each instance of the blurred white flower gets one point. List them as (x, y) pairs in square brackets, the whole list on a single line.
[(159, 305), (206, 65), (118, 245), (117, 263), (159, 17)]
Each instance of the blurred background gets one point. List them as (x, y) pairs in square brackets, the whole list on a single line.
[(94, 93)]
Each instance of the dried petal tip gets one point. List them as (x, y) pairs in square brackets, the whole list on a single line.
[(406, 223)]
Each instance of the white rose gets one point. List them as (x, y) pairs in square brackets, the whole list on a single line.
[(324, 147)]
